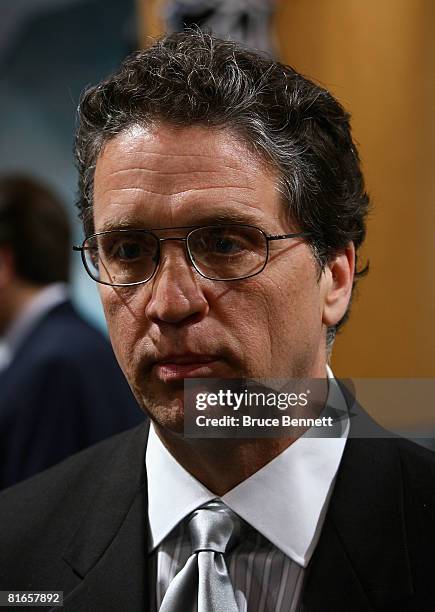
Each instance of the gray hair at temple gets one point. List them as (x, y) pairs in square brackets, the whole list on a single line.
[(295, 126)]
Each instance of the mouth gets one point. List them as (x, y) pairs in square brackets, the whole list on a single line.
[(188, 365)]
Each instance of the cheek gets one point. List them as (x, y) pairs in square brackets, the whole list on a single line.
[(291, 310), (122, 323), (246, 311)]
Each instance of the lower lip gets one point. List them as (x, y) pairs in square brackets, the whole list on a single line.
[(177, 371)]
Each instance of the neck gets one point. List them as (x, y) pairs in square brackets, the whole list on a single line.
[(221, 464)]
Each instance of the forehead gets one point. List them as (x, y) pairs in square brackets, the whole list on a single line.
[(162, 176)]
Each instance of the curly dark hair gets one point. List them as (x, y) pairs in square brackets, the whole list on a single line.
[(299, 128)]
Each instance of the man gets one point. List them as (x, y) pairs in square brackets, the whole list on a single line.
[(60, 386), (223, 206)]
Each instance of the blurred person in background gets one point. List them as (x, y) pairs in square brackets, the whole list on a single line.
[(61, 388)]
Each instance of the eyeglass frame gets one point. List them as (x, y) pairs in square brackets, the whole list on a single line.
[(192, 228)]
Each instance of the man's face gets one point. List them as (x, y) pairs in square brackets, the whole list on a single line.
[(180, 324)]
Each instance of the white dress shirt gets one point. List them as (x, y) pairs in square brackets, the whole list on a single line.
[(284, 503)]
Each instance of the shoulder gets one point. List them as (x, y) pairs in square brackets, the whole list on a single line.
[(40, 516), (66, 328), (412, 456), (374, 469), (62, 491), (375, 463), (418, 469), (64, 338), (417, 462), (412, 451), (374, 452)]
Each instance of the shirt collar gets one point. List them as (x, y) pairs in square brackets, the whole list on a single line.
[(297, 485)]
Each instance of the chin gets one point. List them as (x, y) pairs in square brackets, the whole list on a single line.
[(167, 414)]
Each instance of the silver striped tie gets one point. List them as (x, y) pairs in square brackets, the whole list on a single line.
[(204, 583)]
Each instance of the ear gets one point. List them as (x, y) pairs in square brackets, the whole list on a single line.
[(338, 279), (6, 266)]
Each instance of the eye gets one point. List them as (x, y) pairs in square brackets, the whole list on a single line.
[(128, 250), (219, 242), (225, 245)]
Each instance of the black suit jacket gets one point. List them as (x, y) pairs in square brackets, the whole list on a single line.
[(81, 527), (62, 392)]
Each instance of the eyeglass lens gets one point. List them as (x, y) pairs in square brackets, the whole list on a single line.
[(217, 252)]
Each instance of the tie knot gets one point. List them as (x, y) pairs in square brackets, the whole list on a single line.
[(214, 527)]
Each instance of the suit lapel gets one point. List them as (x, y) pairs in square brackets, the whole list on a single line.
[(108, 552), (362, 555), (331, 584)]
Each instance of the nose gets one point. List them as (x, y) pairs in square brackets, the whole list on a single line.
[(177, 296)]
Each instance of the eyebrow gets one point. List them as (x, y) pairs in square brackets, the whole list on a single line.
[(208, 218)]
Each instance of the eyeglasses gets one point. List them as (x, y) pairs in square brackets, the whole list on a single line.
[(126, 257)]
